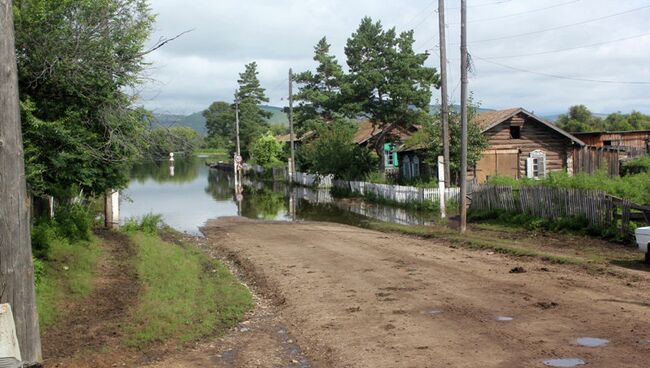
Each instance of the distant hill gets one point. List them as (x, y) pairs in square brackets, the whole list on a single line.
[(553, 117), (196, 120), (279, 117)]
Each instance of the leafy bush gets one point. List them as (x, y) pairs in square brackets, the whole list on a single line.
[(73, 222), (637, 166), (39, 270), (149, 224), (333, 152), (266, 150)]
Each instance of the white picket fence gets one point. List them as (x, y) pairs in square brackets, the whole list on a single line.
[(313, 180), (396, 193)]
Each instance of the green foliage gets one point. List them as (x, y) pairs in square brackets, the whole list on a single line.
[(387, 80), (148, 224), (266, 150), (580, 119), (334, 152), (319, 94), (71, 224), (637, 166), (162, 141), (185, 296), (262, 204), (220, 123), (75, 60), (429, 139), (633, 187), (575, 225)]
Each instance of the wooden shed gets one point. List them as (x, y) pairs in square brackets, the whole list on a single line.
[(522, 144), (633, 143)]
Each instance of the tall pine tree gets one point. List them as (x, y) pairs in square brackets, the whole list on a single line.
[(387, 82), (253, 120), (319, 94)]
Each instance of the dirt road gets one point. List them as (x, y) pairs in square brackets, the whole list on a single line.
[(360, 298)]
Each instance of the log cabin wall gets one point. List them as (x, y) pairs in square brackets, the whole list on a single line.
[(533, 135)]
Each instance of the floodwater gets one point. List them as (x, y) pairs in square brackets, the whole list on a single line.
[(196, 193), (592, 342), (564, 362)]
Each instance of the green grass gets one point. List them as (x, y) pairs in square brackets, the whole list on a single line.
[(69, 272), (635, 187), (212, 152), (185, 295)]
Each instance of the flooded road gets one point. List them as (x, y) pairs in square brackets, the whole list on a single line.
[(196, 193)]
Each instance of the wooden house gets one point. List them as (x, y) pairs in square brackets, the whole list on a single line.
[(522, 144), (367, 134), (631, 143)]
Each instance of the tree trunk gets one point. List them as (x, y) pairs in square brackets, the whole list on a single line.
[(16, 269)]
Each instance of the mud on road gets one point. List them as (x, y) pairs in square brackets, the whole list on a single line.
[(359, 298)]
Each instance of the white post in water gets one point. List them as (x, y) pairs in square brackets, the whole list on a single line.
[(8, 340), (441, 185), (171, 156)]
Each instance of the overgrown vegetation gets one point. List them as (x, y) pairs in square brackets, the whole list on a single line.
[(334, 152), (186, 295), (635, 187)]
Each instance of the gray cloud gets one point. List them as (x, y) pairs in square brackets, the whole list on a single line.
[(203, 65)]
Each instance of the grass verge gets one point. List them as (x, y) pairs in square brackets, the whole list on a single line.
[(69, 272), (185, 296)]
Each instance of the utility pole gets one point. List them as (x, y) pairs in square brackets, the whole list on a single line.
[(463, 116), (292, 167), (238, 159), (16, 268), (444, 103)]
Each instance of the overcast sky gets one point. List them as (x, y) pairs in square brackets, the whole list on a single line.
[(203, 65)]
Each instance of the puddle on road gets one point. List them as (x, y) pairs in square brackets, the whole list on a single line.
[(564, 362), (591, 342), (434, 312), (504, 318), (646, 341)]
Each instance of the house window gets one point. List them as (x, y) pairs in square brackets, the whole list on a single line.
[(515, 132), (536, 165), (390, 155), (415, 167), (406, 167)]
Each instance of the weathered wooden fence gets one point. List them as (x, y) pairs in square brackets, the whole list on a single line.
[(313, 180), (592, 159), (599, 208), (396, 193)]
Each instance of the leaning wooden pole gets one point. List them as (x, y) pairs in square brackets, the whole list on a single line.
[(16, 269), (463, 115)]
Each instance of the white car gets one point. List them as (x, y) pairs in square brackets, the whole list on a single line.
[(643, 240)]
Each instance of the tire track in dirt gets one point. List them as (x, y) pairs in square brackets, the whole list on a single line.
[(93, 326), (369, 299)]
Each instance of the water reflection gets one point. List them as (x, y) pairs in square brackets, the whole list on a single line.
[(195, 194)]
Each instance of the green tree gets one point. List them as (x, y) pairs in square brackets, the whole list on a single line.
[(334, 152), (387, 80), (76, 59), (623, 122), (319, 93), (266, 150), (253, 120), (579, 119), (162, 141), (220, 124), (430, 139)]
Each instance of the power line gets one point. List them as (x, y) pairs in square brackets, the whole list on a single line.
[(520, 13), (562, 26), (569, 48), (482, 5), (563, 77)]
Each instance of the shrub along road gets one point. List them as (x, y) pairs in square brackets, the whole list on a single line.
[(361, 298)]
